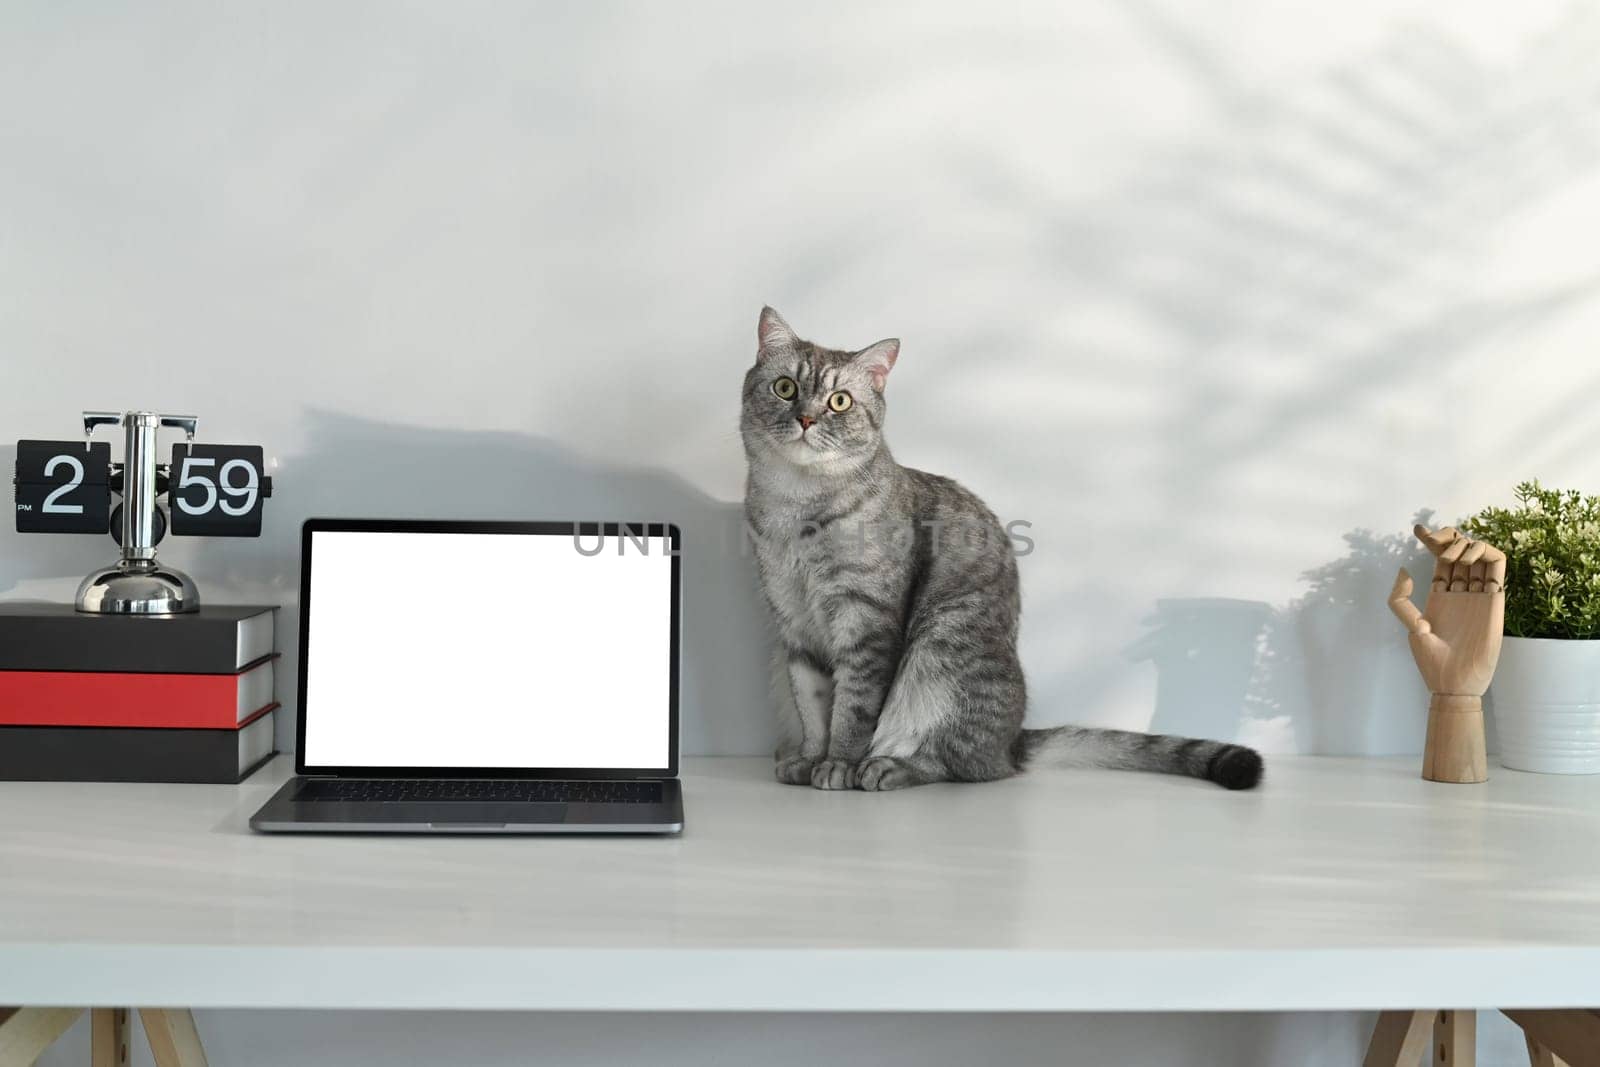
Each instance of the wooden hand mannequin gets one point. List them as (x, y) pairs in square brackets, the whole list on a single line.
[(1455, 640)]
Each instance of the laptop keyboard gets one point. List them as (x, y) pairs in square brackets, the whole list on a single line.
[(380, 790)]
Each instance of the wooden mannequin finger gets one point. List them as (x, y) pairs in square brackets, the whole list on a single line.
[(1495, 580), (1404, 610), (1476, 573), (1441, 576), (1436, 540), (1456, 549), (1473, 552)]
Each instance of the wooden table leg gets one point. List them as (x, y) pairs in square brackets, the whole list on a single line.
[(174, 1041), (109, 1027), (1539, 1056), (1399, 1039), (1573, 1035), (27, 1032), (1455, 1039)]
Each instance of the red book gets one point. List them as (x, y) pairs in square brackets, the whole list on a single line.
[(111, 698)]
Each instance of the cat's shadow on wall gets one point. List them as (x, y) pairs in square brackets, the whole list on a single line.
[(1328, 673), (349, 466)]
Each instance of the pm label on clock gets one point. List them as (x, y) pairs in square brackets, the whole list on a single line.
[(216, 490)]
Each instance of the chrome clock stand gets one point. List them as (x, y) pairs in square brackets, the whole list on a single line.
[(136, 584)]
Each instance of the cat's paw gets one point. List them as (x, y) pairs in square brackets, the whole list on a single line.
[(795, 770), (882, 773), (834, 774)]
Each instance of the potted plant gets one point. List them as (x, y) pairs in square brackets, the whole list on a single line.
[(1546, 692)]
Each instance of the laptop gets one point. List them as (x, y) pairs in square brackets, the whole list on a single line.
[(485, 678)]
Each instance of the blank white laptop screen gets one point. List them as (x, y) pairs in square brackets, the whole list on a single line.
[(487, 650)]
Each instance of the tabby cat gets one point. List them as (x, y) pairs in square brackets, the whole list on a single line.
[(896, 599)]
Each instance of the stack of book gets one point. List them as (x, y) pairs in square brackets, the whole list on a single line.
[(129, 698)]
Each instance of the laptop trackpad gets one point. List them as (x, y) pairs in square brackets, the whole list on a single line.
[(470, 812)]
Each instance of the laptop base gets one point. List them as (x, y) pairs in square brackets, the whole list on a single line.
[(284, 813)]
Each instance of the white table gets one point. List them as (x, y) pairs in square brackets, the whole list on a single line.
[(1341, 884)]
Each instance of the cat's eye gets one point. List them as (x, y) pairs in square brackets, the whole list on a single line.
[(785, 388), (840, 401)]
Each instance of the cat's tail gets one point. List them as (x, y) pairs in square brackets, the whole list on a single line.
[(1230, 766)]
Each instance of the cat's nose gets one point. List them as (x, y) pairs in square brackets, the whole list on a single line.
[(806, 422)]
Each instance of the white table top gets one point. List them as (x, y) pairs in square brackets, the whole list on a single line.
[(1340, 884)]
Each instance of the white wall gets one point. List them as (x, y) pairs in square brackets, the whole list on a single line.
[(1216, 296)]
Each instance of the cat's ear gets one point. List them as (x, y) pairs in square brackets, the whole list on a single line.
[(773, 334), (878, 360)]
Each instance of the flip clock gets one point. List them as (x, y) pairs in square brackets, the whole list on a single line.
[(210, 491)]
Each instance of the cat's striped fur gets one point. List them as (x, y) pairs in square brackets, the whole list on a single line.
[(896, 599)]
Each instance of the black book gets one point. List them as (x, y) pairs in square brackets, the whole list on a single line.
[(217, 639), (133, 754)]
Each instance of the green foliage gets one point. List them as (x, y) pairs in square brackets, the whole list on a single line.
[(1552, 546)]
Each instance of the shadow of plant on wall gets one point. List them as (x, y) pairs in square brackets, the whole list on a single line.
[(1326, 673), (1353, 660)]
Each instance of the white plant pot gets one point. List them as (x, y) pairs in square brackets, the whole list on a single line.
[(1546, 702)]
